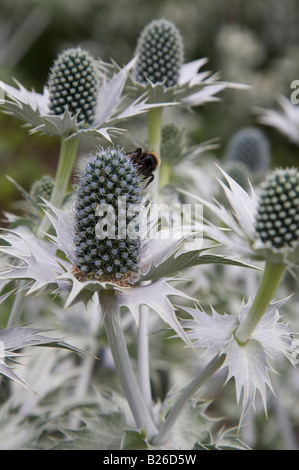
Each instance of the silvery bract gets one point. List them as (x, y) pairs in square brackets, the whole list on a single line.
[(14, 340), (285, 120), (239, 222), (248, 363)]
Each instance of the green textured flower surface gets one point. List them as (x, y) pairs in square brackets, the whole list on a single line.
[(160, 54), (278, 211), (73, 84), (109, 175), (250, 147)]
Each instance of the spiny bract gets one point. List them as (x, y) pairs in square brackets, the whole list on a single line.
[(238, 172), (160, 53), (250, 147), (73, 83), (104, 247), (278, 212)]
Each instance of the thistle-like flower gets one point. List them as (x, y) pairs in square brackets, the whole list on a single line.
[(278, 211), (81, 97), (264, 228), (160, 54), (250, 147), (110, 181), (160, 71), (73, 84)]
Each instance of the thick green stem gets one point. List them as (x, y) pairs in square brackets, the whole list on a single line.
[(269, 284), (165, 173), (68, 152), (17, 308), (189, 391), (154, 117), (154, 122), (123, 365)]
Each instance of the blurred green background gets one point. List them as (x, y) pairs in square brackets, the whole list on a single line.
[(254, 42)]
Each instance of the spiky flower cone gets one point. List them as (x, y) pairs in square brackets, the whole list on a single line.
[(42, 189), (278, 212), (250, 147), (108, 188), (73, 84), (160, 53)]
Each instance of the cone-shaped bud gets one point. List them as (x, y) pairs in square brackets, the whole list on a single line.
[(42, 189), (160, 53), (277, 220), (172, 142), (73, 84), (250, 147), (107, 216)]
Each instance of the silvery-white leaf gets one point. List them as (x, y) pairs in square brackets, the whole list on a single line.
[(110, 95), (247, 363), (285, 121), (155, 295), (189, 70), (19, 337)]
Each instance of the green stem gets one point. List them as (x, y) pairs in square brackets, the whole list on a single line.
[(269, 284), (154, 123), (189, 391), (165, 173), (154, 117), (17, 308), (123, 365), (143, 357), (68, 152)]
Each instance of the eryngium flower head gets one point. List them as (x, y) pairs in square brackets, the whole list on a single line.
[(277, 220), (160, 53), (73, 84), (250, 147), (109, 181), (42, 189)]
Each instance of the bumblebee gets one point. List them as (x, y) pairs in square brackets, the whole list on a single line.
[(146, 162)]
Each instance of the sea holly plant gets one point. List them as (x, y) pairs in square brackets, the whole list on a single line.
[(261, 228), (110, 243), (74, 103), (125, 270)]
